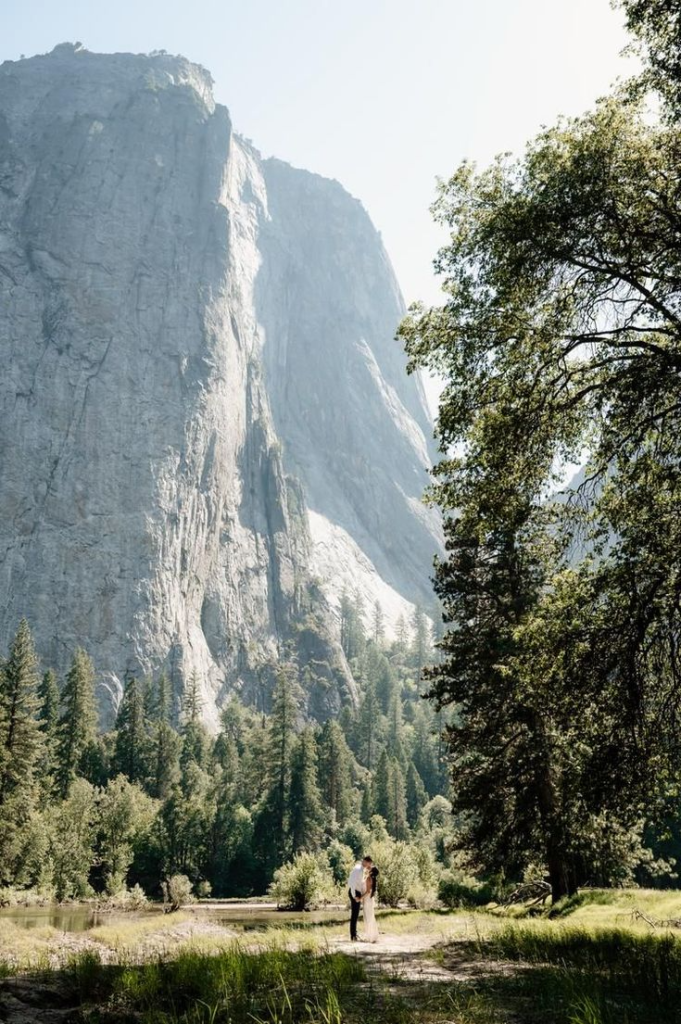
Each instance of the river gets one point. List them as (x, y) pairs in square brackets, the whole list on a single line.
[(80, 917)]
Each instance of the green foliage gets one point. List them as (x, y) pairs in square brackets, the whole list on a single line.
[(77, 723), (335, 771), (303, 882), (456, 890), (106, 814), (126, 815), (306, 815), (399, 868), (131, 752), (177, 891), (72, 827), (19, 733), (561, 335), (657, 26)]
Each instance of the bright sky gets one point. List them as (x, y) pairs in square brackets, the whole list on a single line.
[(384, 95)]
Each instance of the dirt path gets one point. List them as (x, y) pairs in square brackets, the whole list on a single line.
[(405, 957), (396, 958)]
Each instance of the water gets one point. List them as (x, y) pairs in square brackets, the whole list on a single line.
[(240, 916)]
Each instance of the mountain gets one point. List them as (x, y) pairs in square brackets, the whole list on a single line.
[(206, 429)]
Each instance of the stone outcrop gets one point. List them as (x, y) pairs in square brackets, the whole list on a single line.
[(205, 424)]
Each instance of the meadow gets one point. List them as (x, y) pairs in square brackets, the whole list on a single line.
[(593, 960)]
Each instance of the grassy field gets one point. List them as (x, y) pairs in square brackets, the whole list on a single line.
[(589, 961)]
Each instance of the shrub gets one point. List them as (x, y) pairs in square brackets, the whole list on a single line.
[(177, 890), (341, 860), (398, 871), (304, 881), (456, 890), (127, 899), (355, 835)]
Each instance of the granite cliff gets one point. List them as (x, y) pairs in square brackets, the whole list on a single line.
[(206, 430)]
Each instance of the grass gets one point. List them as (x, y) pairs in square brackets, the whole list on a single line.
[(128, 935), (273, 986), (586, 962), (576, 974)]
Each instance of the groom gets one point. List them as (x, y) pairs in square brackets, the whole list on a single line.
[(356, 889)]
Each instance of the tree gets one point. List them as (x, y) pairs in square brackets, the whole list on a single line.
[(353, 633), (125, 818), (306, 815), (48, 703), (368, 726), (161, 700), (165, 744), (195, 738), (71, 828), (19, 733), (416, 795), (389, 795), (132, 747), (77, 723), (335, 773), (656, 24), (561, 333), (421, 644), (20, 750), (48, 721), (272, 821), (378, 625)]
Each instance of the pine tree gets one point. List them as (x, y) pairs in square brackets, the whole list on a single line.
[(335, 761), (194, 736), (425, 748), (162, 706), (397, 820), (395, 729), (20, 737), (77, 724), (369, 725), (20, 754), (367, 806), (131, 750), (381, 787), (378, 625), (389, 795), (272, 825), (164, 759), (417, 797), (306, 814), (401, 644), (48, 701), (48, 720), (421, 644), (353, 633)]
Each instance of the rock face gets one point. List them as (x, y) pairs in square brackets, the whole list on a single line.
[(205, 424)]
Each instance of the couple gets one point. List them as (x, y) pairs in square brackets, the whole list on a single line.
[(362, 891)]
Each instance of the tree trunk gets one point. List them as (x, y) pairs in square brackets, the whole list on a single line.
[(562, 875)]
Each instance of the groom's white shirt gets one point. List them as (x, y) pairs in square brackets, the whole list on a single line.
[(356, 879)]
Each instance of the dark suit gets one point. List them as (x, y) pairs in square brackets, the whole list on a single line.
[(354, 911)]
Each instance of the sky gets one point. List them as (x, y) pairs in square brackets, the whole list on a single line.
[(383, 95)]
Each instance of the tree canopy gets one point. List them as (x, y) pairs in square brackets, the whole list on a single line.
[(560, 344)]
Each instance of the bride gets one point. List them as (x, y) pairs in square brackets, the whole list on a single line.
[(369, 899)]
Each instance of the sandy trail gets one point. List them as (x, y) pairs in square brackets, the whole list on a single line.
[(397, 957)]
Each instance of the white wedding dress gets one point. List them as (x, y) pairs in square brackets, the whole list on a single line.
[(370, 926)]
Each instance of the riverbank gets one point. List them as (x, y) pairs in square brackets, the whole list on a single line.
[(599, 962)]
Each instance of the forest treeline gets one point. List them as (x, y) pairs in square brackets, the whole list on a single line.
[(85, 812), (559, 340)]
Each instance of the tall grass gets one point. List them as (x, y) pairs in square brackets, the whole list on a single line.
[(274, 986), (594, 976)]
